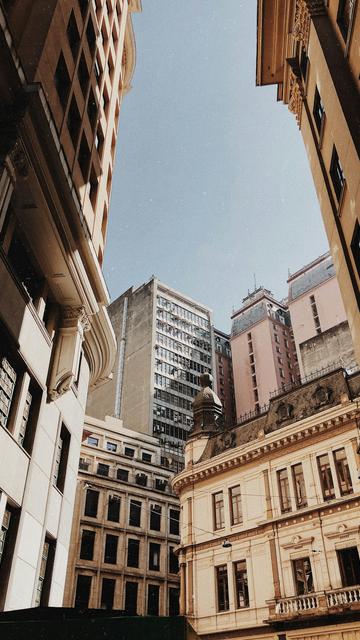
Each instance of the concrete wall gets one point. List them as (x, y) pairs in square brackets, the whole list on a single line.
[(328, 348)]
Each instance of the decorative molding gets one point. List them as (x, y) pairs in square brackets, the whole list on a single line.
[(297, 542), (78, 314), (296, 96), (304, 11), (342, 531)]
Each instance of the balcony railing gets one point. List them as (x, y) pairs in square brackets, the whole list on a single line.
[(315, 603)]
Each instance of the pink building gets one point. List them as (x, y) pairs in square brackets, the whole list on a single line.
[(263, 351), (318, 318)]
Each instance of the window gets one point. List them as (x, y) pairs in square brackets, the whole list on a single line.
[(61, 458), (111, 544), (218, 510), (87, 545), (131, 593), (107, 593), (349, 566), (84, 157), (82, 596), (284, 490), (173, 561), (174, 517), (153, 600), (111, 446), (135, 513), (281, 372), (155, 517), (241, 584), (4, 531), (93, 441), (7, 386), (222, 588), (62, 80), (160, 484), (133, 553), (355, 247), (102, 469), (299, 484), (92, 109), (91, 37), (114, 509), (73, 121), (344, 16), (154, 556), (343, 472), (45, 573), (326, 479), (336, 174), (174, 597), (129, 452), (141, 479), (73, 35), (146, 457), (304, 63), (318, 111), (83, 74), (235, 505), (91, 503), (303, 576), (122, 474)]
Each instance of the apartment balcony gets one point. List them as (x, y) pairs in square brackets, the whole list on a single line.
[(321, 603)]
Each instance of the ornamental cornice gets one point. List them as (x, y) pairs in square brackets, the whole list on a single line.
[(296, 96), (304, 11), (262, 449)]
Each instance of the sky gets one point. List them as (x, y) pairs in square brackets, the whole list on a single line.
[(212, 190)]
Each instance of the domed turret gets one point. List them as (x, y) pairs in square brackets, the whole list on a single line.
[(207, 407)]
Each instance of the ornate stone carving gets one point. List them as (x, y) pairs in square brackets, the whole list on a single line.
[(19, 159), (296, 96), (226, 440), (322, 396), (284, 411), (78, 314), (304, 11)]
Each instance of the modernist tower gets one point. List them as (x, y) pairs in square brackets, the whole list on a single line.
[(165, 341), (64, 69)]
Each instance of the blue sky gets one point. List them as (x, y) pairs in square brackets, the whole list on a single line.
[(211, 183)]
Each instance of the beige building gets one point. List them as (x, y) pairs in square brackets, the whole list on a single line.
[(270, 517), (263, 351), (126, 525), (318, 319), (311, 50), (64, 68), (165, 342)]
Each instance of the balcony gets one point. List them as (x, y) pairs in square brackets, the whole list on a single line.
[(315, 604)]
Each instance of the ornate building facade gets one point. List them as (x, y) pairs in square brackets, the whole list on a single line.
[(310, 50), (64, 68), (125, 526), (270, 516)]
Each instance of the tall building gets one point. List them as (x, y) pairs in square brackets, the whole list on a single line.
[(224, 376), (263, 351), (318, 319), (64, 67), (310, 50), (270, 517), (125, 526), (165, 341)]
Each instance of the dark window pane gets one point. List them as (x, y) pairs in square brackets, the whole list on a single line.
[(133, 553), (222, 588), (123, 475), (349, 566), (303, 576), (241, 584), (83, 74), (284, 490), (111, 544), (174, 517), (73, 35), (299, 484), (82, 595), (336, 174), (344, 16), (91, 503), (235, 505), (155, 517), (131, 591), (135, 513), (87, 545), (84, 157), (174, 596), (318, 110), (62, 80), (153, 600), (114, 509), (218, 510), (326, 478), (73, 121), (173, 561), (355, 247), (107, 593), (343, 472), (102, 469)]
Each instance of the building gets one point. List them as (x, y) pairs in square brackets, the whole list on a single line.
[(125, 527), (165, 341), (64, 67), (318, 319), (310, 50), (270, 516), (263, 351), (224, 376)]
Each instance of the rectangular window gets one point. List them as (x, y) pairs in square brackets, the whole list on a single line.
[(174, 518), (318, 111), (91, 503), (349, 566), (129, 452), (94, 442), (4, 531), (141, 479), (218, 510), (173, 561), (82, 595), (111, 446), (123, 475), (61, 458), (102, 469), (111, 544), (222, 588), (153, 600), (299, 484), (235, 505), (355, 246), (73, 35), (344, 16), (155, 517), (131, 594), (343, 472), (73, 121), (133, 553), (174, 597), (87, 545), (62, 80), (154, 556), (326, 479), (241, 584), (7, 386), (107, 593), (303, 576), (45, 573), (135, 513), (337, 174), (146, 457), (114, 509), (284, 490), (160, 484)]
